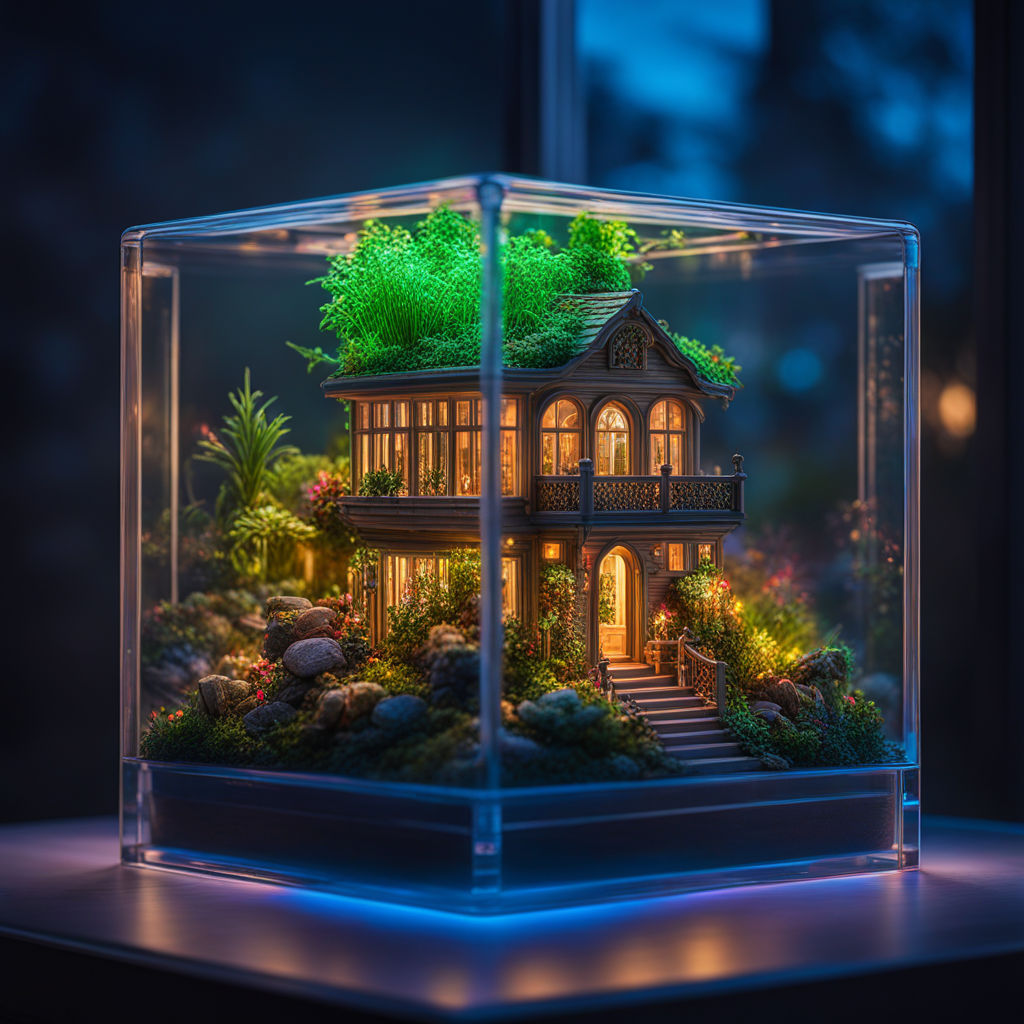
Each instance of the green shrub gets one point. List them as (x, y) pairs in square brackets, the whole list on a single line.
[(431, 600), (396, 677), (560, 618), (383, 482), (263, 542)]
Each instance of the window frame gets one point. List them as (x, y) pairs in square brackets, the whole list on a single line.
[(558, 432)]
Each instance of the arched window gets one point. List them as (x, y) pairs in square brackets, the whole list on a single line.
[(668, 434), (613, 441), (560, 439)]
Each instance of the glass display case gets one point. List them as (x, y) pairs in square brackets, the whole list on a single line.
[(494, 543)]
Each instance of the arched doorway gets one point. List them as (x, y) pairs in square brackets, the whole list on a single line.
[(618, 596)]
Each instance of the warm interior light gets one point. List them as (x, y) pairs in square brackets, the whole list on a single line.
[(957, 410)]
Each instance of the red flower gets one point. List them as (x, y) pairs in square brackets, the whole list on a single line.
[(179, 714), (170, 718), (259, 695)]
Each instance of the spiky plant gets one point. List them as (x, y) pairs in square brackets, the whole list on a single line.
[(250, 445)]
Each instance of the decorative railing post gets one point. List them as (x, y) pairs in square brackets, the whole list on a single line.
[(666, 472), (604, 675), (738, 476), (720, 685), (586, 488)]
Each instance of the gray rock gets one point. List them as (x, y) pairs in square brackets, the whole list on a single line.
[(308, 658), (267, 716), (247, 705), (285, 603), (774, 762), (519, 748), (564, 700), (330, 709), (294, 691), (218, 694), (315, 622), (399, 713), (279, 637), (361, 698)]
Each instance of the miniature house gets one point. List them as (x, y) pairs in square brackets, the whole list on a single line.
[(600, 470)]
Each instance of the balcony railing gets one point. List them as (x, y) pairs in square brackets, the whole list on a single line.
[(587, 495)]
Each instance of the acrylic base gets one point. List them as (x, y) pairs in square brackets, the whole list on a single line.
[(519, 849)]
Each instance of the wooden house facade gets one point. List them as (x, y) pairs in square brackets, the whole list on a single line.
[(600, 471)]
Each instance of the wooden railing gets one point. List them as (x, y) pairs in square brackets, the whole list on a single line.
[(705, 675), (587, 495)]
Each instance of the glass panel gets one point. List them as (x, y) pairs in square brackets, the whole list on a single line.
[(401, 414), (676, 453), (705, 552), (568, 414), (467, 461), (509, 456), (381, 414), (442, 413), (658, 416), (657, 452), (462, 414), (547, 460), (402, 457), (364, 415), (381, 451), (676, 557), (364, 454), (510, 587), (621, 450), (675, 416), (569, 454), (549, 415), (424, 414), (509, 410), (551, 551)]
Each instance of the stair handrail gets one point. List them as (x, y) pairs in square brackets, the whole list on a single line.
[(706, 675)]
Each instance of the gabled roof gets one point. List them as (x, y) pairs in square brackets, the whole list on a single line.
[(597, 309)]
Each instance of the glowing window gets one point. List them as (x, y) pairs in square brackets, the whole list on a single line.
[(676, 557), (705, 553), (510, 586), (668, 434), (382, 437), (560, 438), (551, 551), (613, 441)]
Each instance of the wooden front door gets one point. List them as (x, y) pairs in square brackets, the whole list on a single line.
[(613, 607)]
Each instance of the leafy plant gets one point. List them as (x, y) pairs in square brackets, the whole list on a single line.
[(381, 482), (433, 481), (251, 445), (712, 363), (263, 541), (560, 619), (606, 599)]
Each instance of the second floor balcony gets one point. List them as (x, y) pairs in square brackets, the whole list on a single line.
[(587, 498)]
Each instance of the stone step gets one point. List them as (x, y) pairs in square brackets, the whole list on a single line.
[(672, 740), (626, 668), (651, 692), (723, 765), (679, 714), (642, 682), (671, 726), (693, 751), (668, 702)]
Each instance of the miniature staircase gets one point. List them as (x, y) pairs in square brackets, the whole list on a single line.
[(689, 729)]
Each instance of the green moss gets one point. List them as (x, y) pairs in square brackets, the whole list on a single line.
[(406, 300)]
